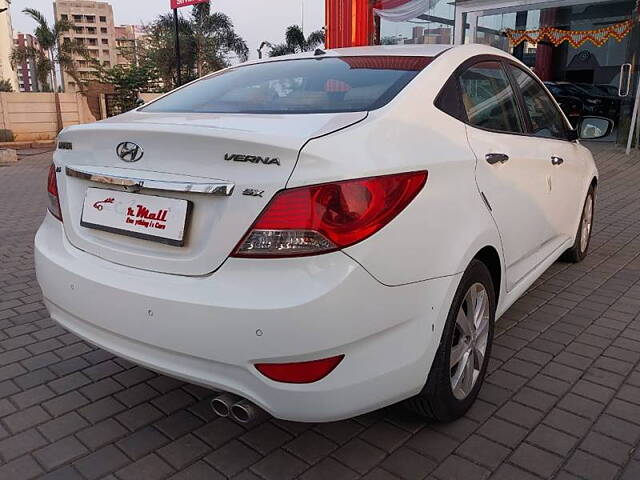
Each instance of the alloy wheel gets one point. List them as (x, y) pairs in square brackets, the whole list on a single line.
[(469, 341), (587, 220)]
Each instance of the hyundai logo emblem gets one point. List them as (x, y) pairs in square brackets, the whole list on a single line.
[(129, 151)]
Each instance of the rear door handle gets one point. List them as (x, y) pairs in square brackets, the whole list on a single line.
[(557, 160), (493, 158)]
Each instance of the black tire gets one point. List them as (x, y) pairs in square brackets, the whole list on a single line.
[(437, 401), (579, 251)]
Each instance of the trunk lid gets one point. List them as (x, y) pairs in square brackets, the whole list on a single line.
[(186, 149)]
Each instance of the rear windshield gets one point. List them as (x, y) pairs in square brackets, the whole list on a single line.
[(311, 85)]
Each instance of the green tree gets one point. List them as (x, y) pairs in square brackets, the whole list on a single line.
[(57, 51), (208, 42), (128, 81), (296, 42), (215, 40), (158, 49)]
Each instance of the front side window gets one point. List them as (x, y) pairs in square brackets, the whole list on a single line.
[(546, 119), (311, 85), (488, 98)]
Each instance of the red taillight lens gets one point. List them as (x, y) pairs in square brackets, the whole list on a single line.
[(299, 372), (322, 218), (52, 190)]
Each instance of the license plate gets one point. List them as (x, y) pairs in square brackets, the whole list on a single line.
[(148, 217)]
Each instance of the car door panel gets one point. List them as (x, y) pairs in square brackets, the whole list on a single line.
[(567, 184), (510, 176), (518, 193), (548, 126)]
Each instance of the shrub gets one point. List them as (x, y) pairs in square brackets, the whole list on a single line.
[(6, 135)]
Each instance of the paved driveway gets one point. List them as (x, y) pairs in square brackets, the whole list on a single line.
[(562, 399)]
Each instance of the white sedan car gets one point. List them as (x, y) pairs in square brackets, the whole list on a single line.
[(319, 235)]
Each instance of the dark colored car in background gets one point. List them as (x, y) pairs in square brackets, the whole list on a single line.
[(608, 90), (571, 105), (596, 100)]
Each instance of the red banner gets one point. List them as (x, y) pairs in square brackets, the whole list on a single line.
[(186, 3), (349, 23)]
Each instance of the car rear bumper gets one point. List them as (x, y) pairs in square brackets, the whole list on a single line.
[(211, 330)]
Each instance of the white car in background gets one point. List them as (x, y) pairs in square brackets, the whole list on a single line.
[(320, 235)]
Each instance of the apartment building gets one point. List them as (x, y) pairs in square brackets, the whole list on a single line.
[(128, 42), (94, 28), (125, 43), (27, 72), (6, 45)]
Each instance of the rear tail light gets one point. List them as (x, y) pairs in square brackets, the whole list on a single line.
[(52, 190), (330, 216), (299, 372)]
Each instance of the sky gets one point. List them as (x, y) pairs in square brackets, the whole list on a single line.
[(255, 20)]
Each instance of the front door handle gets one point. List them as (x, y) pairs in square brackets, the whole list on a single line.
[(493, 158), (557, 160)]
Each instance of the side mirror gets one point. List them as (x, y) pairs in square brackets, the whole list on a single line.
[(591, 128)]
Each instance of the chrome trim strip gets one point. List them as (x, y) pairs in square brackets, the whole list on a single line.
[(219, 188)]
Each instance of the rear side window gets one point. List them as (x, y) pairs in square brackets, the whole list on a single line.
[(546, 119), (311, 85), (488, 98)]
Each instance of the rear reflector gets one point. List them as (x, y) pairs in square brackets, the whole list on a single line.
[(52, 191), (330, 216), (299, 372)]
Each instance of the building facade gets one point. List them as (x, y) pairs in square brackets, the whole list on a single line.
[(125, 43), (27, 72), (7, 71), (128, 38), (94, 28)]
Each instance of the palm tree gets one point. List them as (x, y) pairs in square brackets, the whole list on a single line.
[(158, 49), (215, 40), (296, 42), (57, 51), (207, 43)]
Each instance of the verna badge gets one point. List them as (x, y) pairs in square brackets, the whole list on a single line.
[(236, 157), (129, 152)]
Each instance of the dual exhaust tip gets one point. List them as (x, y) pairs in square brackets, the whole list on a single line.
[(240, 409)]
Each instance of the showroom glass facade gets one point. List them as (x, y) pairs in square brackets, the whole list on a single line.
[(603, 79), (594, 80)]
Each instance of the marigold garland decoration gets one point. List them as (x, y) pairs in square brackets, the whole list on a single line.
[(576, 38)]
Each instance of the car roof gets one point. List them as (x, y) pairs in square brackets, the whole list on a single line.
[(415, 50), (376, 50), (398, 50)]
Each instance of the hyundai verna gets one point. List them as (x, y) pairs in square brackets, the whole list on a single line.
[(319, 235)]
